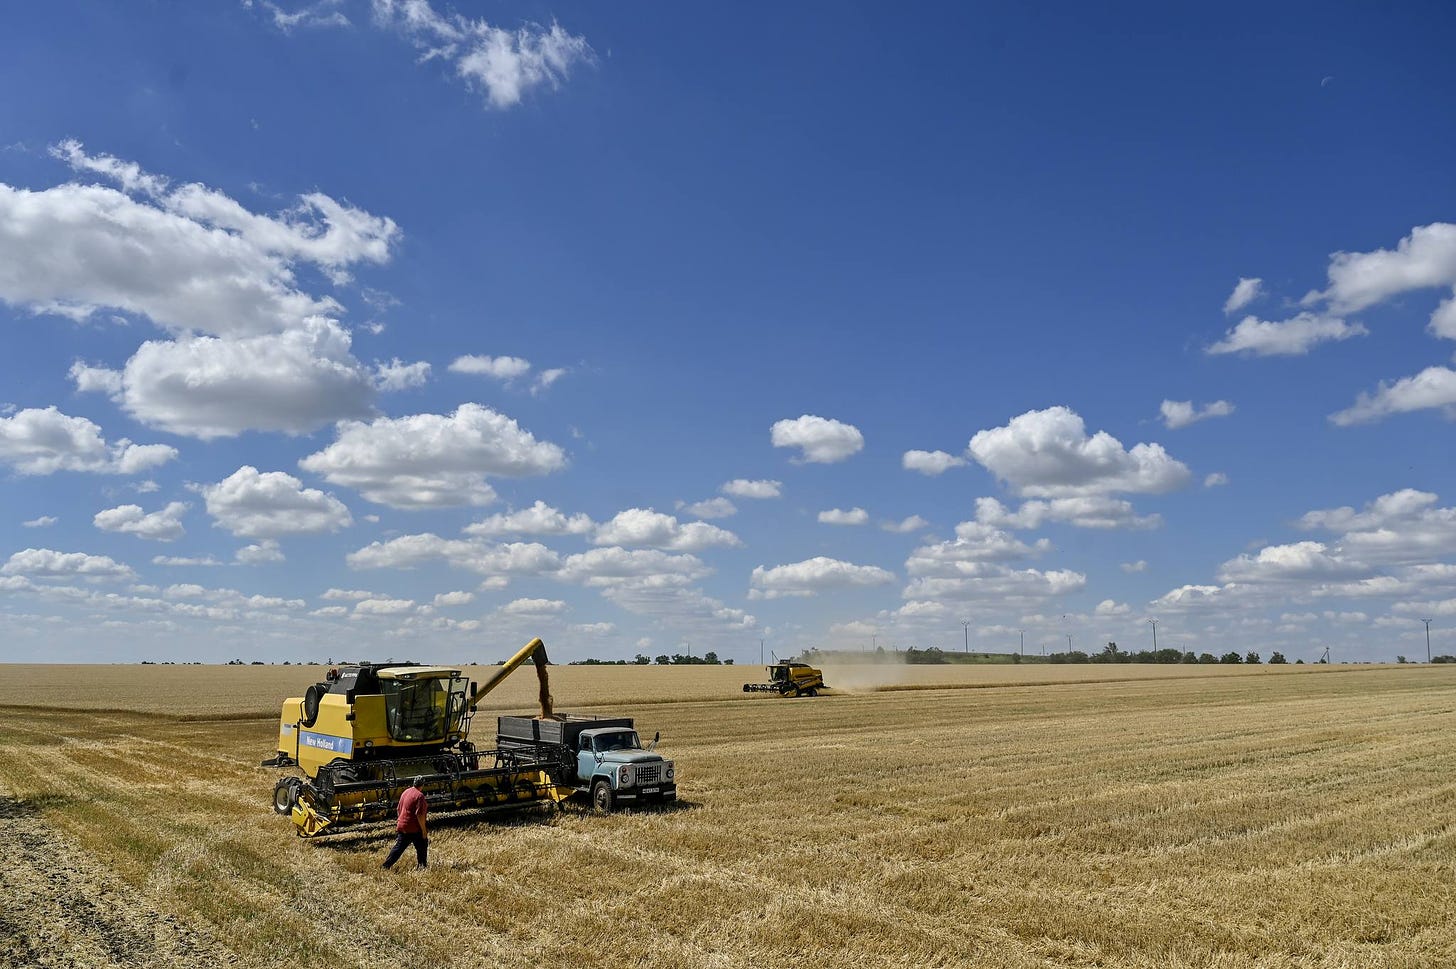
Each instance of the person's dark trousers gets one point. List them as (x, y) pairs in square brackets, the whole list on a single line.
[(405, 839)]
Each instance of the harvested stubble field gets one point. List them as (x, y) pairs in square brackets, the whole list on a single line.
[(1165, 817)]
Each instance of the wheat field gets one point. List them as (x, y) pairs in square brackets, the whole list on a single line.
[(1093, 816)]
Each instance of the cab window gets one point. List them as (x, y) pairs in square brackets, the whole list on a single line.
[(625, 740), (416, 711)]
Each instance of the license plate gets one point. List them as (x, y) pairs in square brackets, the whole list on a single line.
[(650, 790)]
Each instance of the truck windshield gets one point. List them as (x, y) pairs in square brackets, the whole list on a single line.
[(418, 710), (623, 740)]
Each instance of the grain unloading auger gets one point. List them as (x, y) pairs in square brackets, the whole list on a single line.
[(362, 735)]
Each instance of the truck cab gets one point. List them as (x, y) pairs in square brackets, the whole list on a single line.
[(616, 756)]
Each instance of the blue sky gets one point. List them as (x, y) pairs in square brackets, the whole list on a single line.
[(409, 329)]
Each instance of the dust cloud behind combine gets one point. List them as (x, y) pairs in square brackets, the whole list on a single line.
[(867, 677)]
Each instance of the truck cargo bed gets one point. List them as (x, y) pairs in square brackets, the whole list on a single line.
[(561, 729)]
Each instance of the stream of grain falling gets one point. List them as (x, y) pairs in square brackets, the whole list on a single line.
[(544, 680)]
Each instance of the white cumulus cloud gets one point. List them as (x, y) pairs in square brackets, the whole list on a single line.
[(546, 378), (210, 273), (502, 64), (744, 488), (975, 543), (930, 463), (1443, 320), (533, 607), (45, 563), (1432, 389), (838, 516), (645, 527), (539, 519), (41, 441), (637, 568), (820, 440), (162, 526), (318, 15), (1297, 561), (500, 562), (501, 368), (251, 504), (813, 576), (1087, 511), (1402, 527), (1245, 292), (433, 460), (1181, 413), (1423, 259), (904, 526), (1047, 454), (89, 379), (710, 508), (383, 607), (205, 561), (210, 387), (1292, 337), (398, 375), (459, 598), (264, 552)]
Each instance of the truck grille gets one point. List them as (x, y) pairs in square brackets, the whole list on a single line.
[(648, 774)]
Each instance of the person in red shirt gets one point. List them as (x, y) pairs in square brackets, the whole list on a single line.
[(411, 825)]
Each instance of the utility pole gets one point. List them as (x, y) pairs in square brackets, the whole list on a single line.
[(1428, 639), (966, 628), (875, 640), (1154, 624), (1021, 648)]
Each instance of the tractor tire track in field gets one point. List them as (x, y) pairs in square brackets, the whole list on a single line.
[(58, 909)]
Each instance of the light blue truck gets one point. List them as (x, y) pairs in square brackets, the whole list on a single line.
[(601, 757)]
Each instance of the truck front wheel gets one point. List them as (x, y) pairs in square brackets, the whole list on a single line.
[(602, 799)]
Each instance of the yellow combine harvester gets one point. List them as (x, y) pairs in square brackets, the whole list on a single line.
[(790, 679), (361, 736)]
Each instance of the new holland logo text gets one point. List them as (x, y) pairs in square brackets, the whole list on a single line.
[(338, 745)]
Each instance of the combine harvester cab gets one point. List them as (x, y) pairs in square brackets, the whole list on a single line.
[(790, 679), (361, 736)]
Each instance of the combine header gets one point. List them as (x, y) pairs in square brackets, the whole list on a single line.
[(790, 679), (362, 735)]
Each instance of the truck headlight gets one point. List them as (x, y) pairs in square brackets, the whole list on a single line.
[(669, 770), (624, 775)]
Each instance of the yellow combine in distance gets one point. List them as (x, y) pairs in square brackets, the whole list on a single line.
[(790, 679), (362, 735)]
